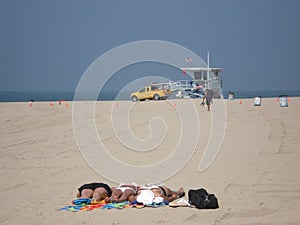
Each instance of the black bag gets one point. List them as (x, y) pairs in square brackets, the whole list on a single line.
[(202, 200)]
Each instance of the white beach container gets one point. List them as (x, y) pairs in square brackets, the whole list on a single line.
[(257, 101), (231, 95), (283, 100)]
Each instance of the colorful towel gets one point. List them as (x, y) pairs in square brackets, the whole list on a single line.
[(156, 205), (83, 204)]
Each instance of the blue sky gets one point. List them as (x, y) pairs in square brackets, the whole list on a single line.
[(47, 45)]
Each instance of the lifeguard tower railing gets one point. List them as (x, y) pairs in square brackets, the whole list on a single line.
[(178, 85), (182, 85)]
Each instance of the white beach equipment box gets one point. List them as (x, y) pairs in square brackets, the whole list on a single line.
[(257, 101)]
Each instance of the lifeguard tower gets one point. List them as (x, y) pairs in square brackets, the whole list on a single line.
[(203, 78), (208, 78)]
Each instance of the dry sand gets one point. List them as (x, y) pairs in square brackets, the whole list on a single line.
[(255, 175)]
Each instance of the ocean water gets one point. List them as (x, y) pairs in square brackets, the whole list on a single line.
[(40, 96), (263, 94), (25, 96)]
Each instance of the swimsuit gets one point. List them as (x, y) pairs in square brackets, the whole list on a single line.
[(94, 186), (163, 191), (123, 187)]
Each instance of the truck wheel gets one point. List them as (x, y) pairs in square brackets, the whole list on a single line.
[(156, 97), (134, 98)]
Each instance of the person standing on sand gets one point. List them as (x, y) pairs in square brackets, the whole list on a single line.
[(208, 95)]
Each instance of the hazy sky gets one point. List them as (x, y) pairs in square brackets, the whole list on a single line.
[(47, 45)]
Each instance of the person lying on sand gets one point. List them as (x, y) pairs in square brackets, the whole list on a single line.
[(123, 192), (95, 191), (158, 193)]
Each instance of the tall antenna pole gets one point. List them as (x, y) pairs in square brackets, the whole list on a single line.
[(208, 77), (207, 59)]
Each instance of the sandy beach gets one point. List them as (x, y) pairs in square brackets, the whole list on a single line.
[(255, 176)]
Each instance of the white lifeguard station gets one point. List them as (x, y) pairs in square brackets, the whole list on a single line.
[(209, 78), (203, 78)]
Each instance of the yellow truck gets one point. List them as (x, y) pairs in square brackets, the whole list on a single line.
[(154, 91)]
